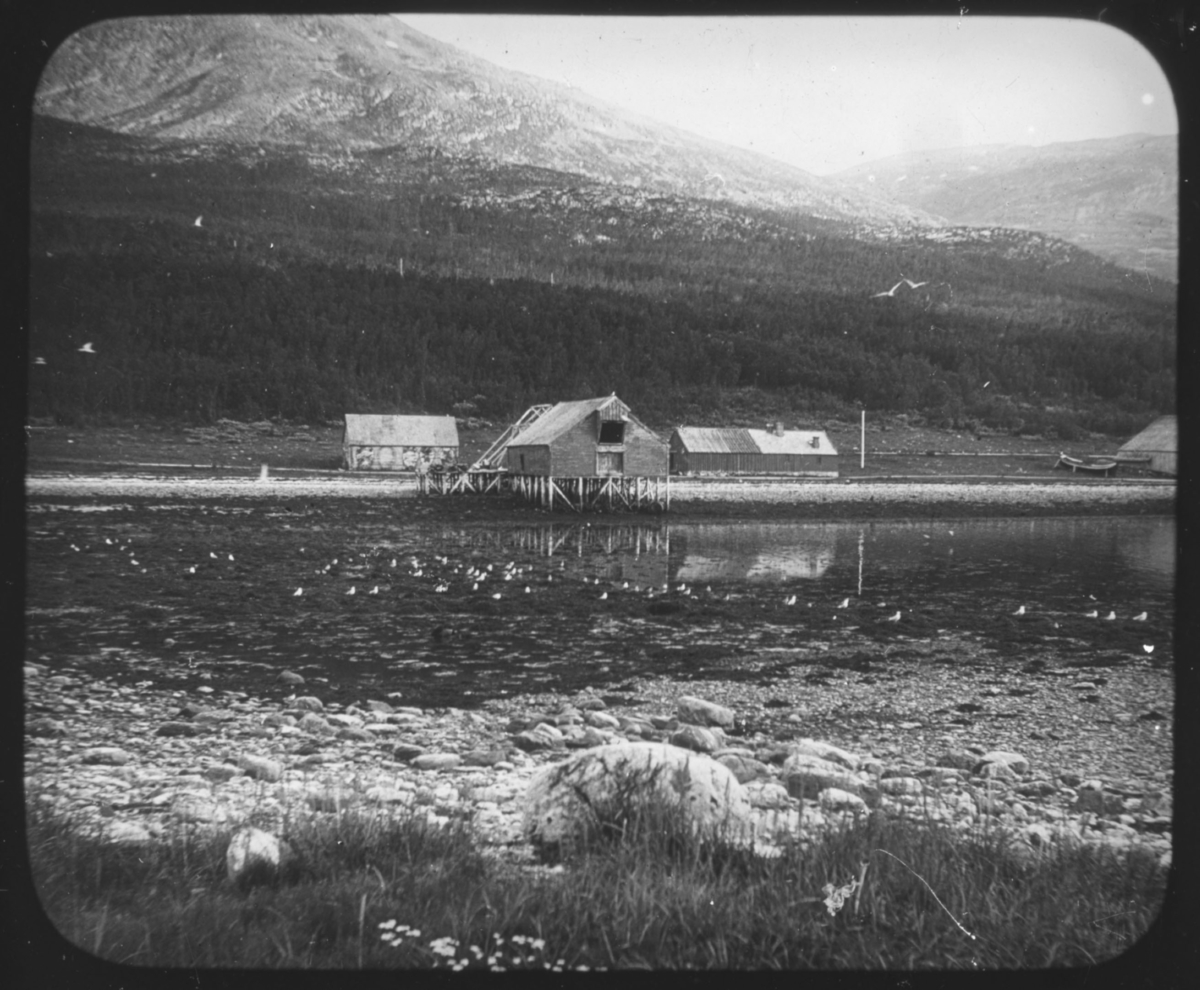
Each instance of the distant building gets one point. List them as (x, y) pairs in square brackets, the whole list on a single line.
[(589, 438), (399, 443), (734, 450), (1157, 445)]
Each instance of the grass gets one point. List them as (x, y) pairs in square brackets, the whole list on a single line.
[(367, 891)]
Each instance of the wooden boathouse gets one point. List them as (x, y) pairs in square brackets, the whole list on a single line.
[(734, 450), (590, 453), (399, 443)]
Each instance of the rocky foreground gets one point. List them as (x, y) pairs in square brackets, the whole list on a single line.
[(137, 766)]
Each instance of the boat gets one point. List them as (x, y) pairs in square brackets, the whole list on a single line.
[(1090, 465)]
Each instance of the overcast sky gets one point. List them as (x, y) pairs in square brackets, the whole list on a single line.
[(826, 93)]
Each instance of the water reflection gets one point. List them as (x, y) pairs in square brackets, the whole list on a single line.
[(1111, 558), (762, 552)]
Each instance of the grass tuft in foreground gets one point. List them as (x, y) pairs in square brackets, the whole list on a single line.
[(366, 890)]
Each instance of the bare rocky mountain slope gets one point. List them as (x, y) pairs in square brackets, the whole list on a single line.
[(367, 82), (1117, 197)]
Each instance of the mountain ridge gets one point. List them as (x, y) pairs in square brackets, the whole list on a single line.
[(383, 83)]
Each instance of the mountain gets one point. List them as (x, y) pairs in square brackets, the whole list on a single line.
[(303, 216), (1117, 196), (353, 83)]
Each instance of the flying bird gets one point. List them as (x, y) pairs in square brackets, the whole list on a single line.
[(87, 348), (904, 281), (1148, 647)]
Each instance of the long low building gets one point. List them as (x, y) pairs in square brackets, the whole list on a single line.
[(737, 450), (398, 443)]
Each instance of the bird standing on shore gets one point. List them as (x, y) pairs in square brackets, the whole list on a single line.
[(893, 618), (1140, 618)]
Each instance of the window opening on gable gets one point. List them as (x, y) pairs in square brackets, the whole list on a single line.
[(612, 431)]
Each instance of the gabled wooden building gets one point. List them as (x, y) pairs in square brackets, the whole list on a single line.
[(399, 443), (735, 450), (590, 438), (1157, 446)]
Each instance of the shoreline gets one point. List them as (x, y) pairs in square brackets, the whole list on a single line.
[(732, 499)]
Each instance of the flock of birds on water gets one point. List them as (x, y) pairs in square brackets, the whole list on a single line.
[(474, 578)]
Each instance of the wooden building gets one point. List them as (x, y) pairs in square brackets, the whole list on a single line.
[(590, 438), (399, 443), (1157, 446), (734, 450)]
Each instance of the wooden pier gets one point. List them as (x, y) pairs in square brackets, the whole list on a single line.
[(581, 494)]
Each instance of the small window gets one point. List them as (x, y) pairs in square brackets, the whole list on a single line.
[(612, 431)]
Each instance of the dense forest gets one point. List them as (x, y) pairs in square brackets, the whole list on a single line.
[(403, 283)]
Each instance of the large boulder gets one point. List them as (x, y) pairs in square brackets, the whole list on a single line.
[(601, 792), (827, 751), (254, 857), (697, 711), (806, 776)]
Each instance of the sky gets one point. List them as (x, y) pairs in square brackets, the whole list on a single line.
[(828, 93)]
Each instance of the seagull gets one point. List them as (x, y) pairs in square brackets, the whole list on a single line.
[(1111, 616), (603, 596), (893, 618), (1140, 618), (845, 603), (297, 593), (87, 348), (374, 591), (197, 221), (1093, 614), (1148, 647), (231, 556), (192, 569), (496, 596), (351, 591), (904, 281), (1020, 611), (527, 589), (213, 555), (39, 360), (790, 601)]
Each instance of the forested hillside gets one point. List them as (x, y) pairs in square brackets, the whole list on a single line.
[(406, 281)]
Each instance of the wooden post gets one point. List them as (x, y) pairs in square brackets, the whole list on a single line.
[(862, 444)]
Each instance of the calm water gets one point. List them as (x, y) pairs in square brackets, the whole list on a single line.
[(1118, 561)]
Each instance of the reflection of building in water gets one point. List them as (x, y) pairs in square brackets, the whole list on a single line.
[(766, 552), (577, 538)]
